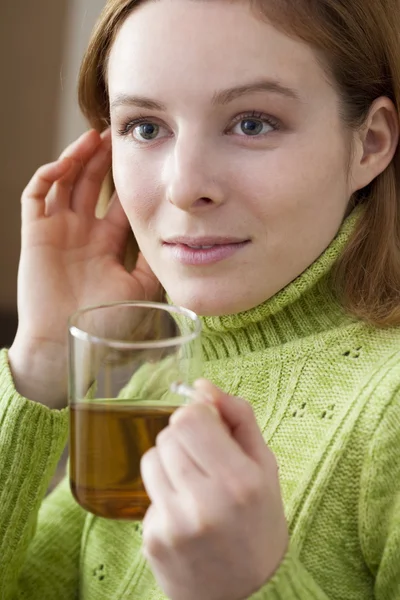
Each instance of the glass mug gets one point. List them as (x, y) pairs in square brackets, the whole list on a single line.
[(124, 359)]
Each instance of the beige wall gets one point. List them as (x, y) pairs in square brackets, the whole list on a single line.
[(31, 35), (82, 15), (41, 44)]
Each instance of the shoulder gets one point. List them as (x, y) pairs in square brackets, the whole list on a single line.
[(377, 354), (364, 373), (380, 389), (379, 497)]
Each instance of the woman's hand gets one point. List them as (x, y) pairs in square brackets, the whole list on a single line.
[(216, 528), (69, 259)]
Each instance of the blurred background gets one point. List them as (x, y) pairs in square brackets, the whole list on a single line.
[(41, 45)]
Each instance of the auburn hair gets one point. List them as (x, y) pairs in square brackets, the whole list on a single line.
[(358, 43)]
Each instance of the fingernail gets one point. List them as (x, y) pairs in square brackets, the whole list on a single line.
[(178, 414), (203, 387), (213, 409), (183, 389), (191, 392), (106, 134)]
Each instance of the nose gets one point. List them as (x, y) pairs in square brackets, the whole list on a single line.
[(193, 177)]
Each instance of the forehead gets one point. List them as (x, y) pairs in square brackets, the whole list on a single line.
[(202, 45)]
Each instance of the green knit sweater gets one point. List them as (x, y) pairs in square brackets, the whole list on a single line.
[(325, 389)]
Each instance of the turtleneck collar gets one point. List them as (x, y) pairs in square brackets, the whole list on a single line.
[(304, 307)]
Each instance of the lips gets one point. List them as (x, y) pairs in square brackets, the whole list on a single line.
[(200, 241), (202, 251)]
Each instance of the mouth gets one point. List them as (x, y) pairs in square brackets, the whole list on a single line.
[(203, 250)]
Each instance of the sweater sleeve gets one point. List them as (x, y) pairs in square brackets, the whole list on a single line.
[(39, 539), (379, 507), (291, 581), (379, 523)]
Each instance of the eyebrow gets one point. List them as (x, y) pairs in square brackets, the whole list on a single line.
[(222, 97), (264, 85), (139, 101)]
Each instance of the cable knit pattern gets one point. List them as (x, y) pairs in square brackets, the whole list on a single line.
[(325, 389)]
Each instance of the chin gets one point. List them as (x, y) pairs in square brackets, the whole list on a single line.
[(211, 302)]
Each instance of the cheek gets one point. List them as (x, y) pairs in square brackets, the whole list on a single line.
[(299, 178), (319, 159), (137, 186)]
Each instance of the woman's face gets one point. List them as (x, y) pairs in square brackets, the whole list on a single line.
[(229, 155)]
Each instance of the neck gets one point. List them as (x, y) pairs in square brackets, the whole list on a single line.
[(306, 306)]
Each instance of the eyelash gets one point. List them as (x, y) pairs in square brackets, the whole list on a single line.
[(259, 116), (130, 125)]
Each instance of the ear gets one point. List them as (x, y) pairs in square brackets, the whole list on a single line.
[(376, 143)]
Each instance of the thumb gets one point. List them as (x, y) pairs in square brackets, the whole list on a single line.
[(238, 416)]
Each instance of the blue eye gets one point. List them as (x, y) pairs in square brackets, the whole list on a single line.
[(252, 127), (254, 124), (146, 131)]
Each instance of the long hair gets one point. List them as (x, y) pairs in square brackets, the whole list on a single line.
[(358, 44)]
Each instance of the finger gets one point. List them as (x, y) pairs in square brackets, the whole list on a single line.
[(156, 482), (239, 416), (83, 145), (154, 533), (183, 473), (207, 441), (149, 516), (87, 189), (116, 216), (59, 197), (80, 151), (34, 196)]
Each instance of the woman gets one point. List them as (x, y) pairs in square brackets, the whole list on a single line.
[(255, 158)]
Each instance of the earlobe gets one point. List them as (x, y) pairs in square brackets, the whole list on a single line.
[(380, 139)]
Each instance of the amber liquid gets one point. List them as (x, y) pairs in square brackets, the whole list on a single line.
[(108, 439)]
